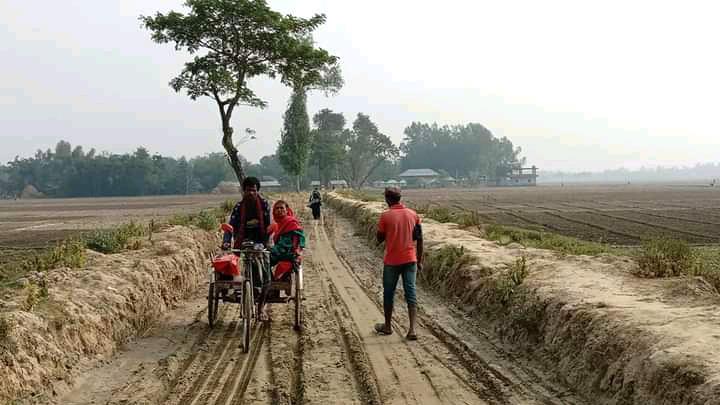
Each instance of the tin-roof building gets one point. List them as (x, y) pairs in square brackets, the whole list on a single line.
[(419, 177)]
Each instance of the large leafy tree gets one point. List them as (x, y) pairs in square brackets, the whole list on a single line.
[(366, 149), (294, 147), (327, 148), (460, 150), (236, 40)]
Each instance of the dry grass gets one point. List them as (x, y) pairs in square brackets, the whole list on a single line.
[(665, 258), (545, 240)]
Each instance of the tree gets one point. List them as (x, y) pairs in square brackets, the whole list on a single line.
[(234, 41), (294, 147), (327, 146), (63, 150), (460, 150), (366, 149)]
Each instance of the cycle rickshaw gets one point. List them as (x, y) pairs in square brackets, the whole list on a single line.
[(241, 289)]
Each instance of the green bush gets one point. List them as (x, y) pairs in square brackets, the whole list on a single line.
[(665, 257), (33, 296), (181, 220), (114, 240), (207, 220), (508, 283), (546, 240), (227, 206), (362, 195), (464, 218), (708, 265)]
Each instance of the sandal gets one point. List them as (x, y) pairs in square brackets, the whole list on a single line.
[(411, 336), (380, 329)]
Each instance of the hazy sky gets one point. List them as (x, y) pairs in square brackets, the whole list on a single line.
[(577, 84)]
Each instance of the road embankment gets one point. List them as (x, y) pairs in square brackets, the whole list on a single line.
[(612, 338), (65, 318)]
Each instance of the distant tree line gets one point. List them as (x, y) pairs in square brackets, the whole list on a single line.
[(358, 154), (72, 172)]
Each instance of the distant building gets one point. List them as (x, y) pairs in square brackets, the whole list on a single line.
[(519, 177), (315, 183), (338, 184), (419, 177), (268, 182)]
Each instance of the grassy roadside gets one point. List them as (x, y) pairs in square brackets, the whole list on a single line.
[(71, 252), (656, 258)]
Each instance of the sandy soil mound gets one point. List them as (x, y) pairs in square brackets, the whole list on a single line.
[(614, 338), (87, 313)]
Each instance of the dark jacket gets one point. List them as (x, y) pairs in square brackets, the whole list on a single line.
[(251, 229)]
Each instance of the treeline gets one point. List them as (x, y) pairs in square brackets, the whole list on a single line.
[(72, 172), (358, 153)]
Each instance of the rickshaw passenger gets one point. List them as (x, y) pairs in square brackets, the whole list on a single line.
[(288, 238)]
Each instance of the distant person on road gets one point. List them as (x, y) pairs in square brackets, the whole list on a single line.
[(399, 227), (315, 203)]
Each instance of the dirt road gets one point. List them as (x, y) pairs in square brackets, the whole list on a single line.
[(336, 359)]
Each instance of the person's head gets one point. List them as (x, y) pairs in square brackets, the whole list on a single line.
[(250, 186), (315, 189), (280, 209), (392, 195)]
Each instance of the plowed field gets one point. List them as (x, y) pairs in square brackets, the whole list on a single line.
[(620, 215)]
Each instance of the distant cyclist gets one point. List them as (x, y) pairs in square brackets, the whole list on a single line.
[(315, 203)]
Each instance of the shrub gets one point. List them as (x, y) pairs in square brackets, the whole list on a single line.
[(227, 206), (442, 263), (181, 220), (546, 240), (114, 240), (33, 296), (665, 257), (362, 195), (508, 283), (207, 220), (464, 218)]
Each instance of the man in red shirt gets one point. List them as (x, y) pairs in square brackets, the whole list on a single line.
[(400, 229)]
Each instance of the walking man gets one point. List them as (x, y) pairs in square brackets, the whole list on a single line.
[(399, 227)]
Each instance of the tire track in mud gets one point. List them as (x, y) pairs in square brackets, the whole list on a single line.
[(496, 374), (221, 376), (401, 376), (197, 350), (209, 363), (363, 377), (483, 379), (240, 373)]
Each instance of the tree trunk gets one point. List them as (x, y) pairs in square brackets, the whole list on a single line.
[(297, 184), (232, 152)]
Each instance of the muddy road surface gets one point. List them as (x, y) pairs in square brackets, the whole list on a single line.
[(335, 359)]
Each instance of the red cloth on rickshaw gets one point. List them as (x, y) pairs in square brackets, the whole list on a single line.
[(228, 264), (281, 269)]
